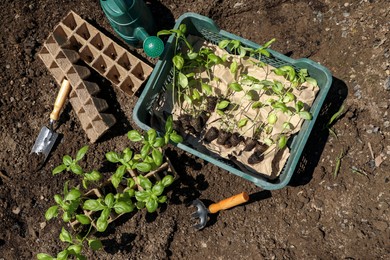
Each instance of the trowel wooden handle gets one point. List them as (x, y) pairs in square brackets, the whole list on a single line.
[(229, 202), (60, 100)]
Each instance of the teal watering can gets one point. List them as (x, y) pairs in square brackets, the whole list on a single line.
[(132, 20)]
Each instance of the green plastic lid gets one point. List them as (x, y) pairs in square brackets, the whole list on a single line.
[(153, 46)]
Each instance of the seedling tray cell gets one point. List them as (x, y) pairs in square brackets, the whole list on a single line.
[(206, 28)]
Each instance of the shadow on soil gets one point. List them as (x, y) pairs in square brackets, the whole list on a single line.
[(320, 133)]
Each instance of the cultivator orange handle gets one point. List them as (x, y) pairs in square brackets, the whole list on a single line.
[(229, 202), (60, 100)]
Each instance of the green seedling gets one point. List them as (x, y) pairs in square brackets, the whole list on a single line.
[(68, 204), (150, 156), (151, 195), (120, 203), (338, 164), (358, 171), (333, 119), (72, 165), (74, 248)]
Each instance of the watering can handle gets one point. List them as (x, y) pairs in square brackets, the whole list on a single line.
[(121, 5), (229, 202)]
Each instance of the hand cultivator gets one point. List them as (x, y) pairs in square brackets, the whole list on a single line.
[(202, 211)]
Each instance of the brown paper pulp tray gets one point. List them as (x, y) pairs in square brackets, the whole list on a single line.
[(73, 39), (60, 61), (109, 59)]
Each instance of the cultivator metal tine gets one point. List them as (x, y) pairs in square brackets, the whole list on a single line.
[(200, 214)]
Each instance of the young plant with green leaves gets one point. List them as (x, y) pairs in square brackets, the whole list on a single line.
[(72, 165), (151, 195), (74, 247), (151, 155), (68, 204), (120, 203)]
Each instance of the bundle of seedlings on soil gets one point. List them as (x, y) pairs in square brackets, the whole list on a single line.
[(91, 210), (227, 101)]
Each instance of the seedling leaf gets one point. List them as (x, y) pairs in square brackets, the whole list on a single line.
[(178, 61), (67, 160), (52, 212), (143, 167), (272, 118), (81, 153), (335, 116), (162, 199), (158, 189), (95, 244), (206, 88), (113, 157), (109, 200), (134, 136), (83, 219), (145, 150), (58, 169), (176, 138), (169, 125), (72, 195), (233, 67), (282, 141), (65, 236), (223, 104), (311, 81), (167, 180), (183, 80), (76, 169), (141, 196), (223, 44), (305, 115), (75, 249), (157, 157), (160, 142), (93, 176), (151, 205), (43, 256), (63, 255), (235, 86), (102, 223), (93, 205), (123, 207), (242, 122), (151, 134), (144, 182)]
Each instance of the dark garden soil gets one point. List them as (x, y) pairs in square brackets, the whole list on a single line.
[(319, 215)]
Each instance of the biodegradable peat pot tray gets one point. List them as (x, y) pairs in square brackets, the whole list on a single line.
[(205, 28)]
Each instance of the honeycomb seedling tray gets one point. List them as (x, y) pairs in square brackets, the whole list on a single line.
[(74, 39), (123, 69), (89, 109)]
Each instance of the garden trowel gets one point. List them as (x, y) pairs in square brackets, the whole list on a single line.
[(47, 136)]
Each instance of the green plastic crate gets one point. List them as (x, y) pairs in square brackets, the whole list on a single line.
[(206, 28)]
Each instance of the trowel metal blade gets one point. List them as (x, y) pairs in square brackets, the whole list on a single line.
[(45, 142)]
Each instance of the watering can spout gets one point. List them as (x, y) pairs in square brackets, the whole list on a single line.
[(152, 45), (133, 21)]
